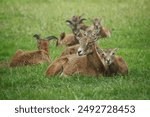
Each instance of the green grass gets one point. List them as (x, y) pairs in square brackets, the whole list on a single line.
[(20, 19)]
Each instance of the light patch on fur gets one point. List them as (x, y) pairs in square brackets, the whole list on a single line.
[(80, 51)]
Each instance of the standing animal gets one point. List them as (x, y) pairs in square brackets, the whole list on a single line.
[(22, 58), (87, 62), (113, 64)]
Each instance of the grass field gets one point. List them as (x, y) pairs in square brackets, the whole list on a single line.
[(20, 19)]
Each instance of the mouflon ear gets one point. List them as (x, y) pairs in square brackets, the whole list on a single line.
[(116, 49), (62, 35), (100, 51), (113, 51)]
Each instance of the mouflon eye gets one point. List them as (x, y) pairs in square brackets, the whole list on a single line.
[(103, 54), (113, 53)]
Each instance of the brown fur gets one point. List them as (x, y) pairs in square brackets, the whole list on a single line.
[(90, 64), (23, 58), (103, 32), (117, 66), (70, 50), (43, 44), (86, 65), (73, 49), (76, 23), (67, 40)]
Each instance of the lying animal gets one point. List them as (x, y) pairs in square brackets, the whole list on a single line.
[(113, 64), (102, 31), (89, 64), (76, 24), (23, 58)]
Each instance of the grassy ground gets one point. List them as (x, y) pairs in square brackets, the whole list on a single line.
[(20, 19)]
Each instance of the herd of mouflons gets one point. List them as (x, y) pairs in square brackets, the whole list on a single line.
[(82, 54)]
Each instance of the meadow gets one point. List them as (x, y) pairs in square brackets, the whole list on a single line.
[(21, 19)]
